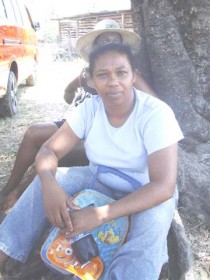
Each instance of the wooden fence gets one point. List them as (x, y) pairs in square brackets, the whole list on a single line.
[(71, 28)]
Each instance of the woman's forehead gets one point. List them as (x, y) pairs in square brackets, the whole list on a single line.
[(111, 58)]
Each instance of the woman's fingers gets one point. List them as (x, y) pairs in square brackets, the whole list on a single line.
[(55, 216), (67, 219), (59, 221)]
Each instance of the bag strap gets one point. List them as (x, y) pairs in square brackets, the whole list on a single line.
[(105, 169)]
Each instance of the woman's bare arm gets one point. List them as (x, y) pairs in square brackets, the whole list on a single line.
[(55, 199)]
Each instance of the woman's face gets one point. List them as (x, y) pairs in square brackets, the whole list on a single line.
[(106, 38), (113, 78)]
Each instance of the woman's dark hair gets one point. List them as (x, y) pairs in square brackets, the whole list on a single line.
[(120, 48)]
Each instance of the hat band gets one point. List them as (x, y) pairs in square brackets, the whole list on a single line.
[(110, 26)]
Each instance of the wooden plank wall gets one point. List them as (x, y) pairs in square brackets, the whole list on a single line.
[(74, 27)]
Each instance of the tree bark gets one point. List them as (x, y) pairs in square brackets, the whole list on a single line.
[(175, 46)]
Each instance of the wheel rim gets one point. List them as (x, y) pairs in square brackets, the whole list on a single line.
[(14, 95)]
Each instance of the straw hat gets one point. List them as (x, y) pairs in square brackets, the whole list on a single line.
[(84, 44)]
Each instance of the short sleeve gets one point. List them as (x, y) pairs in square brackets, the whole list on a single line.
[(160, 129), (81, 118)]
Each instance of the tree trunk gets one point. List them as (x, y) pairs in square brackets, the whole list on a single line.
[(175, 47)]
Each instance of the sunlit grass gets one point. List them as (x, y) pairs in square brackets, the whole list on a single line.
[(43, 102)]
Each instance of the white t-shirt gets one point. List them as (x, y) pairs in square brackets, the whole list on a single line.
[(150, 127)]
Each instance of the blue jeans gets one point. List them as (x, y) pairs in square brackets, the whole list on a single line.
[(141, 257)]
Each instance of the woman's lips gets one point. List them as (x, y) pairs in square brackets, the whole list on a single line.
[(114, 94)]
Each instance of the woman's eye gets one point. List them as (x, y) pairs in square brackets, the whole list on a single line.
[(122, 73), (102, 75)]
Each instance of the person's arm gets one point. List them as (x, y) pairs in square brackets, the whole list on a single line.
[(162, 172), (142, 85), (56, 202), (71, 89), (83, 80)]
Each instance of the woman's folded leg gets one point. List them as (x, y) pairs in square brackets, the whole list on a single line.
[(145, 250)]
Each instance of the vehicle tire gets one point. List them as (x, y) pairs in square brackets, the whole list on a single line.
[(31, 80), (9, 105)]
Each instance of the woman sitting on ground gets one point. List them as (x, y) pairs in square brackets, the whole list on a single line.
[(105, 31), (122, 128)]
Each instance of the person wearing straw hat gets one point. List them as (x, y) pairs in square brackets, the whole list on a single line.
[(97, 37), (125, 130), (105, 31)]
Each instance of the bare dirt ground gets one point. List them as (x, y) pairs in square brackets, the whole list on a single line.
[(44, 102)]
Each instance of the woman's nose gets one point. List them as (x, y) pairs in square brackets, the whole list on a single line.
[(113, 80)]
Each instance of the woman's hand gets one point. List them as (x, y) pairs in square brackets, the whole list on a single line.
[(84, 219), (56, 204)]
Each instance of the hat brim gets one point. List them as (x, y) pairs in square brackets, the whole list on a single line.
[(84, 44)]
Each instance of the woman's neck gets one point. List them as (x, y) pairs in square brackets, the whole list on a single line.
[(117, 115)]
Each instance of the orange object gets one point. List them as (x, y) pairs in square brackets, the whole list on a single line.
[(18, 52), (61, 254)]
